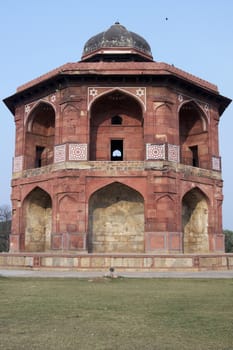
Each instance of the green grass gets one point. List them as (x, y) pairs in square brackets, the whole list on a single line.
[(121, 313)]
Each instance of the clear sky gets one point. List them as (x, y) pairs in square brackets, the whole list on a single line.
[(40, 35)]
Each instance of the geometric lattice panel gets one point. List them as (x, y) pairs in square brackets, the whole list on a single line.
[(173, 153), (59, 153), (216, 163), (18, 164), (155, 151), (78, 151)]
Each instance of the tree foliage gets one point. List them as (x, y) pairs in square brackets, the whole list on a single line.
[(228, 241), (5, 227)]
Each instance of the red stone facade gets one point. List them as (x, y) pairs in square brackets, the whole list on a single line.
[(117, 157)]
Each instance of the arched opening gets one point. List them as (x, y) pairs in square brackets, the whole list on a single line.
[(195, 222), (37, 221), (116, 220), (116, 124), (116, 120), (193, 136), (40, 133)]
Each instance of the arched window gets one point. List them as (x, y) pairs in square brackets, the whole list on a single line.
[(116, 120)]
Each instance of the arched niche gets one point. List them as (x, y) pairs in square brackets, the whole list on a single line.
[(194, 143), (125, 135), (70, 123), (165, 214), (37, 221), (68, 214), (195, 222), (116, 220), (39, 141), (164, 123)]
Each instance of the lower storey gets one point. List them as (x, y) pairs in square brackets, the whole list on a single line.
[(120, 262)]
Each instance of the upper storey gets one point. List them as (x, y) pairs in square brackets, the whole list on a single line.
[(117, 44)]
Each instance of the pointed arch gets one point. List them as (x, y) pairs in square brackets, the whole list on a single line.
[(120, 91), (165, 213), (194, 139), (68, 213), (65, 198), (200, 110), (36, 106), (39, 138), (165, 196), (70, 123), (116, 220), (127, 136), (163, 122), (162, 104), (195, 222), (37, 208)]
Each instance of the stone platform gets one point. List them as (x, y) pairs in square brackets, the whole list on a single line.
[(121, 262)]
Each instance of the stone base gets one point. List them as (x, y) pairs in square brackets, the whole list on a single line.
[(121, 262)]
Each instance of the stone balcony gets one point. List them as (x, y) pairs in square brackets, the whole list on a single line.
[(116, 167)]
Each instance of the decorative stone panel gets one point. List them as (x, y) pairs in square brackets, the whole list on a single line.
[(219, 242), (216, 163), (155, 152), (56, 241), (173, 153), (68, 241), (175, 241), (162, 242), (59, 153), (78, 151), (164, 151), (77, 241), (18, 164)]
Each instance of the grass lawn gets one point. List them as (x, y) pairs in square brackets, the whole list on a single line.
[(111, 314)]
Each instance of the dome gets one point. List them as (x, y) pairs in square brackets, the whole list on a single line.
[(117, 40)]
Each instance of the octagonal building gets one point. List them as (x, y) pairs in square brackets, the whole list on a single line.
[(117, 154)]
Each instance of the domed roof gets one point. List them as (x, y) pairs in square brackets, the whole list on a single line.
[(119, 38)]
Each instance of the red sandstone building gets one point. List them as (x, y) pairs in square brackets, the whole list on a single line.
[(117, 153)]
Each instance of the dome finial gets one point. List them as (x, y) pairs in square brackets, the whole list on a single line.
[(117, 22)]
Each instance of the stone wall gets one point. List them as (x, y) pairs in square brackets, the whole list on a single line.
[(116, 220), (121, 262)]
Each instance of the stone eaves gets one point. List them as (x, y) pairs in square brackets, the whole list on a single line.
[(120, 68)]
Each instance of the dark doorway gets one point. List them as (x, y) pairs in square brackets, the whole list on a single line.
[(116, 150), (39, 151), (194, 150)]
